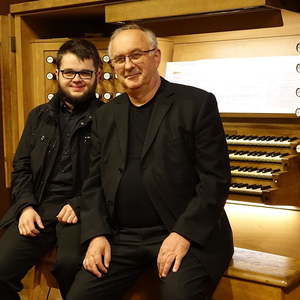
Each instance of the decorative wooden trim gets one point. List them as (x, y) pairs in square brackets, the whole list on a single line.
[(153, 8), (41, 5)]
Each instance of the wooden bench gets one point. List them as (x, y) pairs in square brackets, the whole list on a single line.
[(252, 275)]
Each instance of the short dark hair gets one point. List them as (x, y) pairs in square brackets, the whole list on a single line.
[(82, 48)]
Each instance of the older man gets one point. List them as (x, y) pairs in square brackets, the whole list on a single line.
[(158, 183)]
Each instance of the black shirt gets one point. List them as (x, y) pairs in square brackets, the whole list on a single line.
[(133, 206), (60, 185)]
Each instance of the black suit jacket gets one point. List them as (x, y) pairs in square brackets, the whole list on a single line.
[(185, 170)]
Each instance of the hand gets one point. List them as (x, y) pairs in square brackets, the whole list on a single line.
[(28, 220), (172, 251), (97, 257), (67, 215)]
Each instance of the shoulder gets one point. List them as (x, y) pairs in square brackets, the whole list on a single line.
[(185, 93), (39, 110)]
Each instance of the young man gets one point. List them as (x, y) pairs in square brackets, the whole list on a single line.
[(50, 165), (158, 183)]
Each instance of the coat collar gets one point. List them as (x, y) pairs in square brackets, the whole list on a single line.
[(163, 102), (54, 106)]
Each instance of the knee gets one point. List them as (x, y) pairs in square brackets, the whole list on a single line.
[(176, 288)]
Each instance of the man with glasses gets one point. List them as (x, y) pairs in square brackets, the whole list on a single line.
[(158, 183), (50, 165)]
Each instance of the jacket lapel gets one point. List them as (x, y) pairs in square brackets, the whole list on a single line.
[(163, 102), (121, 119)]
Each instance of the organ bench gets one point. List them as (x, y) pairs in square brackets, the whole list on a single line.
[(252, 275)]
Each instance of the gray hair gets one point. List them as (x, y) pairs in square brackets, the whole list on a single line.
[(149, 34)]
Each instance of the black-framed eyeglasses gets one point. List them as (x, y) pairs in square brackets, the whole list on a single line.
[(83, 74), (135, 57)]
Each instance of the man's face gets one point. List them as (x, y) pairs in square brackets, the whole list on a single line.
[(76, 89), (134, 74)]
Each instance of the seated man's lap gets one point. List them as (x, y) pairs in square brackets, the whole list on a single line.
[(129, 262)]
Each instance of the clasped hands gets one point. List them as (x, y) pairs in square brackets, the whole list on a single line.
[(171, 253), (30, 222)]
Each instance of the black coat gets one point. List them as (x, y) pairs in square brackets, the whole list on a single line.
[(37, 152), (185, 170)]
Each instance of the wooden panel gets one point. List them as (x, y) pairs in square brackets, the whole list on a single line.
[(233, 289), (9, 98), (153, 8), (265, 229), (251, 47), (4, 203), (261, 17), (291, 27), (4, 5), (24, 69), (53, 4)]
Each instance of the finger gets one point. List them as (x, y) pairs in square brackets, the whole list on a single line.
[(61, 213), (177, 263), (159, 264), (90, 266), (107, 256), (70, 219), (99, 263), (166, 266), (73, 220), (21, 230), (64, 218), (39, 222), (31, 230)]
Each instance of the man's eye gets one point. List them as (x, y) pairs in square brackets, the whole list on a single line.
[(120, 59), (136, 55), (86, 73), (69, 73)]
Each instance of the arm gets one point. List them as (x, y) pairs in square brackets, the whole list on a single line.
[(211, 164), (204, 210), (22, 177), (93, 213)]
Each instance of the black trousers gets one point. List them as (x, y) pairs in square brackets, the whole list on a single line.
[(20, 253), (134, 251)]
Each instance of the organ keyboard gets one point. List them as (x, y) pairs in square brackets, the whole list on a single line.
[(264, 168)]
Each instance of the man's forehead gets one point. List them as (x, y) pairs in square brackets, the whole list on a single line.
[(70, 58), (128, 41)]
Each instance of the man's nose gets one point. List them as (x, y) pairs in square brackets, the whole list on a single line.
[(77, 77), (128, 63)]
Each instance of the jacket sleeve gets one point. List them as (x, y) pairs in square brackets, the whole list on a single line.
[(93, 212), (22, 177), (206, 208)]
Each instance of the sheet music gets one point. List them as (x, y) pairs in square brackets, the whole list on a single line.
[(244, 85)]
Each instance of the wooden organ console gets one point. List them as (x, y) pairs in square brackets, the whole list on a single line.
[(263, 148), (264, 162)]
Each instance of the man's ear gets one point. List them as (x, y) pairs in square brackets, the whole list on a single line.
[(56, 73), (157, 56), (98, 75)]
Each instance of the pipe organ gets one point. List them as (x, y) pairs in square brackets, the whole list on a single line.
[(264, 149)]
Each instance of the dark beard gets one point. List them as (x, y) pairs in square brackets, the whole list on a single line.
[(77, 101)]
